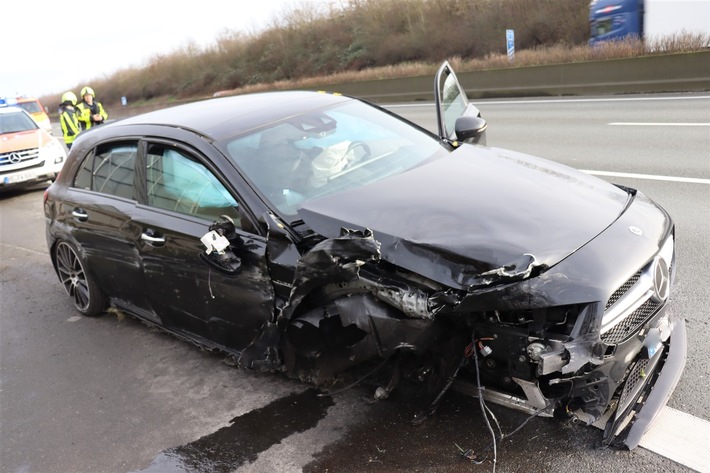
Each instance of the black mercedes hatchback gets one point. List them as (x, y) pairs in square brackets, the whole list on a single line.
[(314, 234)]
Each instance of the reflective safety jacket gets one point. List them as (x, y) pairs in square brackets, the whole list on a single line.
[(86, 114), (69, 119)]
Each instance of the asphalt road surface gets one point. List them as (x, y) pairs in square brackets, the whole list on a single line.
[(110, 394)]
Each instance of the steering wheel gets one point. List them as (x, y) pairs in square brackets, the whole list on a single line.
[(364, 154)]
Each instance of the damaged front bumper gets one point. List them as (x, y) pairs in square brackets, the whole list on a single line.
[(649, 390), (649, 383)]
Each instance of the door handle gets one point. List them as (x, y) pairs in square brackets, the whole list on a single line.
[(80, 214), (153, 240)]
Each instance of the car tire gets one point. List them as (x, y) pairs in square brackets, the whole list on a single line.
[(77, 281)]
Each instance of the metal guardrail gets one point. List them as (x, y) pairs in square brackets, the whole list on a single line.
[(688, 72)]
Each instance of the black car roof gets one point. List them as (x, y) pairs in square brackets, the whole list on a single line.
[(227, 116)]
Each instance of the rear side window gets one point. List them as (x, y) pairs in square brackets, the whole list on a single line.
[(454, 102), (110, 170), (180, 183)]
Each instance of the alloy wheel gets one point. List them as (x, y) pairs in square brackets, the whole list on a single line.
[(72, 275)]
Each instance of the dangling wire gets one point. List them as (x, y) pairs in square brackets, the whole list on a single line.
[(500, 431), (209, 281), (478, 459), (484, 408)]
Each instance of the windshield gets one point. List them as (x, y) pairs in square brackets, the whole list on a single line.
[(14, 122), (326, 151), (31, 107)]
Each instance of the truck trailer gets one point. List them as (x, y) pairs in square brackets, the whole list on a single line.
[(648, 20)]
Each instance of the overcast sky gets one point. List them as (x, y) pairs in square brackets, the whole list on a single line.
[(50, 46)]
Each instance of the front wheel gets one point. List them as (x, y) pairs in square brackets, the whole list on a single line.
[(86, 295)]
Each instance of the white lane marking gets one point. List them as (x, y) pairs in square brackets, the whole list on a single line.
[(21, 248), (656, 124), (507, 102), (74, 318), (693, 180), (601, 99), (680, 437)]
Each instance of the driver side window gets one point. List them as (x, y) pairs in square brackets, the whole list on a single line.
[(453, 101), (179, 183)]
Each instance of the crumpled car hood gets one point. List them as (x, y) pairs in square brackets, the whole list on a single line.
[(476, 217)]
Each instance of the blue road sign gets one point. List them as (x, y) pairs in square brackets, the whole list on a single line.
[(510, 40)]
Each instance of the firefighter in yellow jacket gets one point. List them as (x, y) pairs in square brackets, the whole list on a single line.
[(91, 112), (69, 118)]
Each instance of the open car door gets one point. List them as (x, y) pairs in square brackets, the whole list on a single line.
[(458, 119)]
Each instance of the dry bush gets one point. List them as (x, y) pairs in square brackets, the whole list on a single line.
[(352, 40), (681, 42)]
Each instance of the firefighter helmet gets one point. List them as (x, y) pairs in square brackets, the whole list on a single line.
[(69, 97), (87, 90)]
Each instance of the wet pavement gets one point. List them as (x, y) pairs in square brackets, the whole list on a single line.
[(230, 447), (455, 439)]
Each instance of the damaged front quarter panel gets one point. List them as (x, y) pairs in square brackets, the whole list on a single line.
[(347, 307), (340, 313)]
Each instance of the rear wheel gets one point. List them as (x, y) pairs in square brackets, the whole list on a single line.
[(86, 295)]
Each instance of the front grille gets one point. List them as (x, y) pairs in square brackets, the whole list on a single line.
[(20, 156), (631, 324), (635, 302), (623, 289), (637, 376)]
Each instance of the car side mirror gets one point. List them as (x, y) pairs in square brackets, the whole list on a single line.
[(218, 243), (471, 129), (227, 262)]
